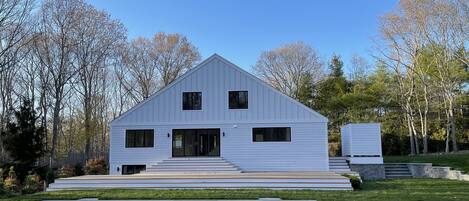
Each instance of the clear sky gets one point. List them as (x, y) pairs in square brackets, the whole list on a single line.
[(240, 29)]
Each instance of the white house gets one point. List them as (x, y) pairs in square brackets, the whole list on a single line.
[(219, 110)]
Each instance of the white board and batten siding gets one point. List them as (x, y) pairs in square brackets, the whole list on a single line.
[(361, 143), (215, 77)]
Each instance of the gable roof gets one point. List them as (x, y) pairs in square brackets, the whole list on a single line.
[(203, 63)]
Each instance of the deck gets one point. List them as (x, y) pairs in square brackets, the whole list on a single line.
[(271, 180)]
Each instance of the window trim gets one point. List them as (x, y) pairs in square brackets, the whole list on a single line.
[(272, 141), (247, 103), (144, 130), (201, 101)]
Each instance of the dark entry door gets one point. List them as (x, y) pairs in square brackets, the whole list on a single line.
[(196, 142)]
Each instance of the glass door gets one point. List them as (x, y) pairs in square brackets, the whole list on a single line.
[(196, 142)]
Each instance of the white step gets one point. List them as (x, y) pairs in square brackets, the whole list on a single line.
[(320, 184), (192, 162), (192, 166), (338, 166), (209, 165), (202, 180), (196, 159), (206, 185), (271, 180), (191, 169)]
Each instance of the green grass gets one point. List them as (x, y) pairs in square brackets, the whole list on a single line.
[(402, 189), (457, 161)]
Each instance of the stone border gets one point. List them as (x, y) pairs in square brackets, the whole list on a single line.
[(427, 170), (369, 171)]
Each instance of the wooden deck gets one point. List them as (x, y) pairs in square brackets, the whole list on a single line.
[(270, 180)]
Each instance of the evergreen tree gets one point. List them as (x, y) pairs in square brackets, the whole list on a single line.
[(329, 97), (305, 90), (23, 139), (336, 66)]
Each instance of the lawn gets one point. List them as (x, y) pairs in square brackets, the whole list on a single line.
[(459, 161), (402, 189)]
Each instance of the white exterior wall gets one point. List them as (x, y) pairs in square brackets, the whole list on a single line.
[(267, 108), (214, 78), (362, 143), (345, 140), (307, 150)]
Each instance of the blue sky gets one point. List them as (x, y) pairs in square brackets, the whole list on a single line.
[(240, 30)]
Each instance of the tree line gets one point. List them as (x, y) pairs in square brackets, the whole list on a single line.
[(74, 66), (418, 87)]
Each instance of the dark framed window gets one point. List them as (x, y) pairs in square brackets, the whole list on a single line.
[(139, 138), (133, 169), (191, 100), (238, 99), (276, 134)]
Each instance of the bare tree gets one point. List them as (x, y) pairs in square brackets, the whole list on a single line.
[(149, 65), (14, 30), (172, 55), (402, 41), (97, 36), (54, 46), (408, 33), (446, 31), (283, 67), (138, 75), (360, 67), (14, 18)]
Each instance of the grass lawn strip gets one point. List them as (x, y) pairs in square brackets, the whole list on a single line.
[(399, 189), (456, 161)]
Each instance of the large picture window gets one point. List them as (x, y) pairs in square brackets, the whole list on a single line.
[(192, 100), (276, 134), (139, 138), (238, 99)]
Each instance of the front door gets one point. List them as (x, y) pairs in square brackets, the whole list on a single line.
[(196, 142)]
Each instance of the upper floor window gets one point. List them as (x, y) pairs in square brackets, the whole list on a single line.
[(192, 100), (276, 134), (139, 138), (238, 99)]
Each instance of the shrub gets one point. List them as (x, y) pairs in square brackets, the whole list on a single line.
[(50, 176), (1, 178), (32, 184), (78, 169), (11, 182), (335, 149), (355, 181), (95, 167), (66, 171)]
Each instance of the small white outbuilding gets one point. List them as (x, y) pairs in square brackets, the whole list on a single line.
[(361, 143)]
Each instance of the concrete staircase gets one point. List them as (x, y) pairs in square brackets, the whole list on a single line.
[(339, 165), (269, 180), (397, 170), (206, 165)]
